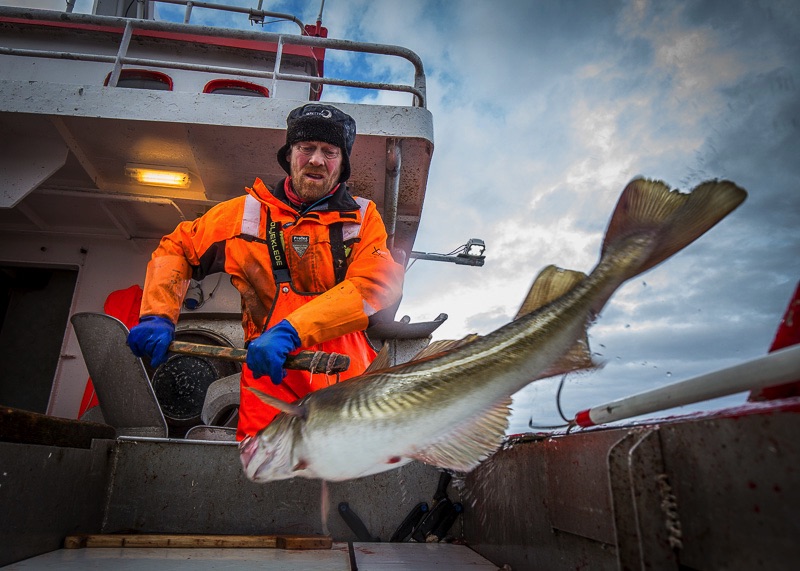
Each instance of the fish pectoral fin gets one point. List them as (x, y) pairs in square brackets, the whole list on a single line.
[(283, 406), (470, 442), (578, 358)]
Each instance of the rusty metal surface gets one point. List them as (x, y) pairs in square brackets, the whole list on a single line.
[(175, 486), (187, 487), (696, 493), (735, 482), (544, 505), (47, 492), (644, 518), (577, 492), (623, 507)]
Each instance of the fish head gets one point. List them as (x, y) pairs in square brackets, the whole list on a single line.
[(267, 456)]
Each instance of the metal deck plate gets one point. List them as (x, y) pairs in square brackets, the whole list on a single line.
[(369, 557)]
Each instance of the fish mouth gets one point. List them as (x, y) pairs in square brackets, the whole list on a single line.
[(247, 449), (257, 460)]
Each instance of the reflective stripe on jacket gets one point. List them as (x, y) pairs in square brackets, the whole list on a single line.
[(215, 242)]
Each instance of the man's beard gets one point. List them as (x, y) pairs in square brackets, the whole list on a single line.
[(310, 190)]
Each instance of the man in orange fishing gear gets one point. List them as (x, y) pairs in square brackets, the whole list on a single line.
[(309, 260)]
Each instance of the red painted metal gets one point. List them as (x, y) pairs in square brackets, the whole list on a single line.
[(318, 31), (254, 45), (788, 334), (217, 84), (131, 73)]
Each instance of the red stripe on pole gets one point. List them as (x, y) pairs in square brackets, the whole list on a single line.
[(583, 419)]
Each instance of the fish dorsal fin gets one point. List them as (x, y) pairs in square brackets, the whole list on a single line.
[(470, 442), (444, 345), (551, 283), (283, 406)]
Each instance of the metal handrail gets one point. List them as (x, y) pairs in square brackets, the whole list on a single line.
[(418, 90), (252, 12)]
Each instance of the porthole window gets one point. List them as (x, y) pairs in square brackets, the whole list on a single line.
[(142, 79), (235, 87)]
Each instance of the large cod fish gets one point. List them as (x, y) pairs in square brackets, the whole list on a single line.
[(451, 409)]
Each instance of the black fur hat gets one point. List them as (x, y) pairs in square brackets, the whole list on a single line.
[(318, 122)]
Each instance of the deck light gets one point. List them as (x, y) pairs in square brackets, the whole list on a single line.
[(174, 177), (469, 254)]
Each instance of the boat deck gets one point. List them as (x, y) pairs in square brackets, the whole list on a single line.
[(364, 557)]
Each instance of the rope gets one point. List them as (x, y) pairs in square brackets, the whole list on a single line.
[(313, 368), (669, 505)]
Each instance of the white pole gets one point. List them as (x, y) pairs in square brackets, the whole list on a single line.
[(776, 368)]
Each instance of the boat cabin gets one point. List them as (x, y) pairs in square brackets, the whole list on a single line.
[(117, 129)]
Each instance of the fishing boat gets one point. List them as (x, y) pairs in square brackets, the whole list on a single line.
[(117, 127)]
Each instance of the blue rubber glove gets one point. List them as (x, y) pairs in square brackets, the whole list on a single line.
[(152, 338), (267, 353)]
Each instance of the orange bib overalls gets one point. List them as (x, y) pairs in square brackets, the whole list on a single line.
[(253, 413)]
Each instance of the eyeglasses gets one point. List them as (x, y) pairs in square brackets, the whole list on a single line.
[(329, 153)]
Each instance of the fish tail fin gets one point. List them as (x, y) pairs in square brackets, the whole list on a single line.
[(551, 283), (672, 219)]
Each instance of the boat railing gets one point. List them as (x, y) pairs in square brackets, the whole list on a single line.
[(256, 15), (130, 26)]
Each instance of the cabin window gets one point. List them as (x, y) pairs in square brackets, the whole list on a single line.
[(235, 87), (142, 79)]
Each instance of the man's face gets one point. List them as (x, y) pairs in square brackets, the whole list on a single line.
[(315, 168)]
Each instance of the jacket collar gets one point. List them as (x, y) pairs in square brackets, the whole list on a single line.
[(339, 201)]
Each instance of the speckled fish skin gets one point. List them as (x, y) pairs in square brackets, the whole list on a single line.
[(451, 410)]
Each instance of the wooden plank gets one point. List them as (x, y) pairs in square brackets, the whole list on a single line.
[(190, 541), (25, 427), (303, 542)]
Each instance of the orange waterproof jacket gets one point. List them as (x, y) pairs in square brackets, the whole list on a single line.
[(215, 242)]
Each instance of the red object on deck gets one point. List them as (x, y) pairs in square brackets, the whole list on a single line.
[(788, 334), (123, 304)]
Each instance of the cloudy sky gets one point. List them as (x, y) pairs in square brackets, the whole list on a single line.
[(542, 112)]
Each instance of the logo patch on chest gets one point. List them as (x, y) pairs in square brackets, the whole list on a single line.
[(300, 244)]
